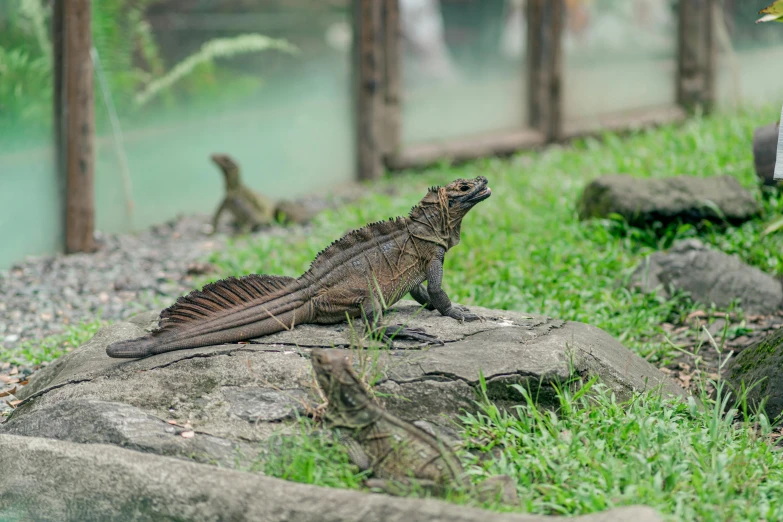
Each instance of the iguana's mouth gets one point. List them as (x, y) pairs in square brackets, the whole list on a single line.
[(481, 195)]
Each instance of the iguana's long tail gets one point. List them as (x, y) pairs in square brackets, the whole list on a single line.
[(225, 311)]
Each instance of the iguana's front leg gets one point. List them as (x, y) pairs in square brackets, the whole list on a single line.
[(438, 297), (355, 451), (218, 212), (419, 293), (374, 316)]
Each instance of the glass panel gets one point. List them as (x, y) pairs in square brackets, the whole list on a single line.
[(748, 56), (30, 205), (463, 68), (620, 55), (188, 79)]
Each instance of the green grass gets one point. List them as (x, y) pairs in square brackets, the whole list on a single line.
[(52, 347), (310, 456), (524, 248), (595, 453)]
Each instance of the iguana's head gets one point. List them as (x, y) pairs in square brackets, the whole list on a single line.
[(443, 208), (342, 387), (229, 167)]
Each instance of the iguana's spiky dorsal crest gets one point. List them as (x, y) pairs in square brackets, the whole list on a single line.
[(220, 298), (358, 237)]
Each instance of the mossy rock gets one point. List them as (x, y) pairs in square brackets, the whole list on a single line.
[(761, 363)]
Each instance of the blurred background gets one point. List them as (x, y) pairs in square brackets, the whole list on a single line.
[(286, 87)]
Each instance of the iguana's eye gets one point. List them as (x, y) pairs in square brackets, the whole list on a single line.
[(464, 188)]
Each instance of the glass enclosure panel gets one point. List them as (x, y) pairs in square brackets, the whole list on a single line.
[(619, 56), (462, 68), (30, 203), (265, 81), (748, 57)]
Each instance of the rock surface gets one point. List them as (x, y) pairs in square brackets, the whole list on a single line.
[(762, 364), (642, 201), (765, 146), (230, 396), (45, 480), (710, 276)]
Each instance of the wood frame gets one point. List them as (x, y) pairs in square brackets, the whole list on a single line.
[(74, 120), (369, 87), (379, 128), (542, 100), (696, 54), (545, 70)]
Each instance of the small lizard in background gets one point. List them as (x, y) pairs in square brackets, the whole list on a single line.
[(250, 209), (401, 455)]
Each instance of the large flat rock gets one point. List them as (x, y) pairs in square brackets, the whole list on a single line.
[(49, 480), (642, 201), (232, 396)]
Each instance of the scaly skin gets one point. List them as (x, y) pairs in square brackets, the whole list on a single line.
[(400, 455), (357, 276), (376, 440)]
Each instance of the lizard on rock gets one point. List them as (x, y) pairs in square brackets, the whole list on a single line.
[(359, 275), (400, 454)]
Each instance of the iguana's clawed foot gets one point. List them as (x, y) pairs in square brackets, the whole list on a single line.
[(400, 332), (462, 314)]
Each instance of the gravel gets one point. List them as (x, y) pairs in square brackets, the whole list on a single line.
[(128, 273)]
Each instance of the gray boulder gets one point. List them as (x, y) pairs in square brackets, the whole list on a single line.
[(230, 396), (50, 480), (760, 365), (642, 201), (765, 147), (709, 276)]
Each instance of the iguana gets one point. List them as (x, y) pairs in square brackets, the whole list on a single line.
[(357, 276), (249, 208), (399, 454)]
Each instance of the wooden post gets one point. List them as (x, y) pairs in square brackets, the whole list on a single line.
[(58, 43), (392, 78), (710, 53), (696, 54), (75, 120), (368, 44), (544, 48), (555, 10)]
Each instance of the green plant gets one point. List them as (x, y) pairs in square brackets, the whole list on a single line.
[(128, 55), (52, 347), (217, 48)]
